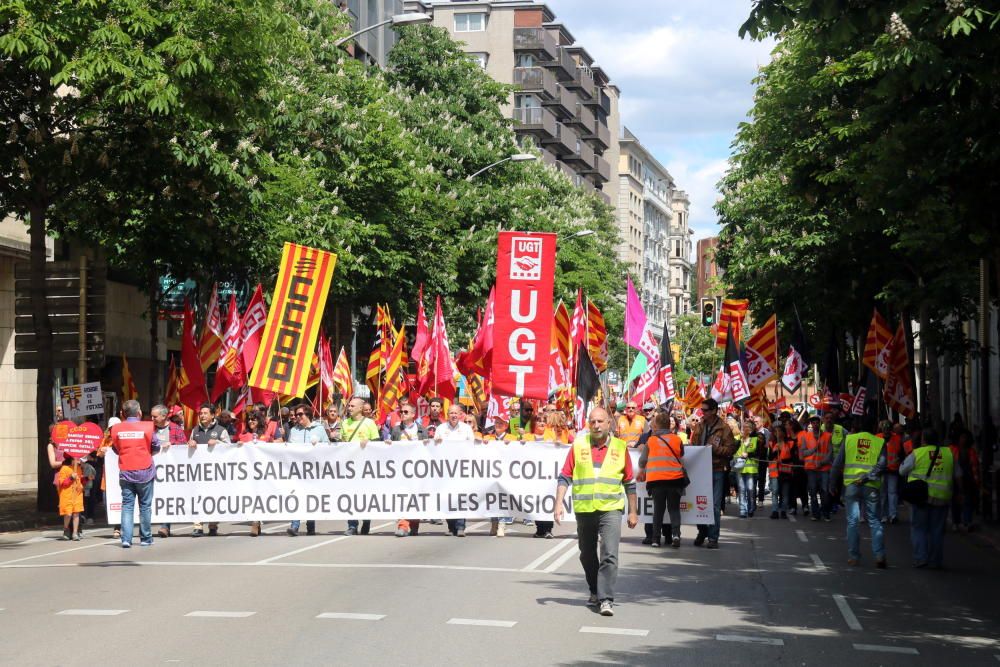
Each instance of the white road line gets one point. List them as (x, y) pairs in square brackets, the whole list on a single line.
[(56, 553), (482, 622), (548, 554), (887, 649), (316, 546), (351, 617), (802, 535), (769, 641), (279, 528), (476, 526), (220, 614), (559, 562), (231, 564), (845, 611), (818, 563), (92, 612), (600, 630)]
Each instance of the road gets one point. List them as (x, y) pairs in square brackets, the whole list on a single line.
[(776, 592)]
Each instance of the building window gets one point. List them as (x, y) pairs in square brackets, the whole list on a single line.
[(481, 58), (525, 60), (470, 22)]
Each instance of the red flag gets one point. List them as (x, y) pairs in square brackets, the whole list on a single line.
[(129, 392), (479, 358), (325, 369), (423, 337), (210, 343), (597, 337), (437, 367), (191, 385), (251, 334), (172, 398), (898, 386), (342, 379), (230, 372), (877, 346), (762, 354)]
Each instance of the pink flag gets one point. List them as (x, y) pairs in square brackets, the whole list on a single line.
[(635, 317)]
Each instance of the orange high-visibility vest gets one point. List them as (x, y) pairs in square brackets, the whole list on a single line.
[(664, 460), (629, 431), (785, 457)]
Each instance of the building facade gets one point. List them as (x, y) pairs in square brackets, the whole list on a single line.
[(679, 249), (707, 269), (372, 48), (563, 101)]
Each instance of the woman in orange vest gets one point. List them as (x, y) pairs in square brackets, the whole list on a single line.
[(788, 463), (774, 447), (893, 436), (661, 467)]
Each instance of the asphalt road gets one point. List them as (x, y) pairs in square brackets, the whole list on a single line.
[(776, 592)]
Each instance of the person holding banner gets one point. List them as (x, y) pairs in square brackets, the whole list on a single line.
[(454, 429), (407, 430), (361, 429), (714, 432), (661, 467), (305, 431), (600, 470), (132, 441)]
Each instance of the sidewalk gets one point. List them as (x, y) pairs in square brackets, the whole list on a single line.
[(18, 509)]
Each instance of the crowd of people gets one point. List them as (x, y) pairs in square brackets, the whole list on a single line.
[(808, 464)]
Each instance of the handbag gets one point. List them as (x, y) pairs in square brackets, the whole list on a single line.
[(738, 463), (915, 491), (686, 478)]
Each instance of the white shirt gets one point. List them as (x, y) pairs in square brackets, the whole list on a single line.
[(461, 432)]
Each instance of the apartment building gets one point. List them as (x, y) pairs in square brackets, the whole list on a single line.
[(372, 48), (681, 276), (564, 101), (707, 269)]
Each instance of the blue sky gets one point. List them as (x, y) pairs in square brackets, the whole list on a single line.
[(685, 79)]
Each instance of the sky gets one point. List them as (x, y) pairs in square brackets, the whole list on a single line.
[(685, 79)]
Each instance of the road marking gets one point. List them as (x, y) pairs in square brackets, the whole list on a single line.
[(280, 528), (791, 517), (769, 641), (548, 554), (92, 612), (818, 563), (56, 553), (482, 622), (316, 546), (476, 526), (230, 564), (600, 630), (802, 535), (845, 611), (563, 557), (887, 649), (220, 614), (351, 617)]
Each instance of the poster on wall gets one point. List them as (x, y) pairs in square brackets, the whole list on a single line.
[(80, 400)]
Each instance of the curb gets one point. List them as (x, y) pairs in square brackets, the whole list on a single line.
[(20, 525)]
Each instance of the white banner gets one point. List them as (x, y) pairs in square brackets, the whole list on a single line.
[(277, 482)]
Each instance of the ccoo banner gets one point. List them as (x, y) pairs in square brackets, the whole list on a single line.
[(282, 364), (523, 314), (412, 480)]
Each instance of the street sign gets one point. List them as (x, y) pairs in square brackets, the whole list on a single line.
[(815, 400)]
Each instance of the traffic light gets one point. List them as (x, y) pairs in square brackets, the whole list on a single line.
[(707, 312)]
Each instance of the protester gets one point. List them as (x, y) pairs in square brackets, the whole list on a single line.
[(361, 429), (889, 499), (332, 423), (207, 432), (70, 481), (745, 464), (132, 441), (306, 432), (773, 452), (254, 431), (966, 493), (89, 495), (788, 462), (455, 429), (860, 465), (713, 432), (598, 503), (934, 465), (501, 432), (800, 480), (661, 467), (165, 434), (631, 425), (407, 429), (818, 465)]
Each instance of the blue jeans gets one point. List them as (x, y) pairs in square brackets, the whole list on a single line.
[(746, 484), (711, 531), (787, 484), (777, 504), (819, 497), (310, 526), (455, 525), (890, 495), (927, 534), (854, 495), (144, 492)]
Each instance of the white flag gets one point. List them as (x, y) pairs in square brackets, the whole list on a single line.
[(794, 368)]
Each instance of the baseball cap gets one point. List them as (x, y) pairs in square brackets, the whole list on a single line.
[(174, 411)]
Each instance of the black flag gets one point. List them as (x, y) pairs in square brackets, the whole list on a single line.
[(667, 369), (587, 380)]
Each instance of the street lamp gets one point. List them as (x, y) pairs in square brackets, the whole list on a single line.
[(410, 18), (580, 234), (516, 157)]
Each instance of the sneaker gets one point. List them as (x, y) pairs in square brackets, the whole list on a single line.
[(255, 529), (712, 544), (676, 543), (814, 518), (592, 600), (460, 532), (881, 564), (549, 535), (351, 530), (212, 532), (66, 536), (648, 540), (146, 544), (126, 545), (163, 532), (501, 531), (402, 533), (539, 535), (291, 532), (700, 540), (76, 538), (827, 519), (529, 522), (607, 608), (655, 544), (197, 532)]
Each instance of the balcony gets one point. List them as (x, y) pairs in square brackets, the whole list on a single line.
[(563, 141), (581, 155), (536, 40), (563, 105), (600, 99), (564, 67), (583, 118), (598, 167), (535, 120), (584, 83), (536, 80)]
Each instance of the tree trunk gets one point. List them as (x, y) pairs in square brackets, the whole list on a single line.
[(929, 377), (153, 287), (46, 497)]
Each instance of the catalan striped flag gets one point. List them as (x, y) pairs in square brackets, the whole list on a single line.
[(693, 395), (395, 382), (898, 390), (210, 342), (734, 311), (762, 354), (129, 392), (380, 351), (560, 332), (877, 348), (342, 379), (172, 397), (597, 337)]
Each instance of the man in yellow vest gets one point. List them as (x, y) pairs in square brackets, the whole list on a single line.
[(600, 470), (860, 463), (928, 522)]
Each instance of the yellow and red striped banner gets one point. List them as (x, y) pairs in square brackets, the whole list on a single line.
[(560, 333), (283, 361), (597, 337), (732, 315), (876, 356), (210, 342)]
